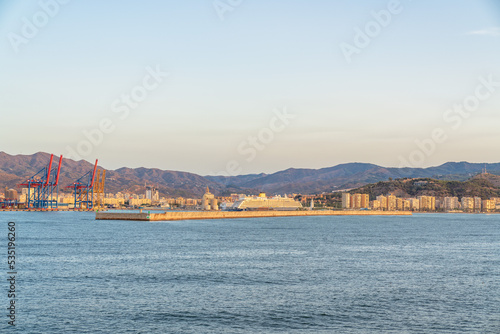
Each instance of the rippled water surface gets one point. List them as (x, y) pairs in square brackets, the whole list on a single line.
[(421, 274)]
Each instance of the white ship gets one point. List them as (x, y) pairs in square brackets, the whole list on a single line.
[(262, 202)]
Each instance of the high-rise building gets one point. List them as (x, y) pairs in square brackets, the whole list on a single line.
[(427, 203), (467, 204), (488, 205), (152, 194), (399, 204), (365, 201), (356, 201), (495, 199), (375, 205), (360, 201), (451, 203), (383, 202), (346, 200), (11, 194), (415, 204), (477, 204), (391, 203)]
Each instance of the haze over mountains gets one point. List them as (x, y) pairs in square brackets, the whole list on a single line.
[(15, 169)]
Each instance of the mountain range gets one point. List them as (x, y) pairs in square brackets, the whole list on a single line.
[(14, 169)]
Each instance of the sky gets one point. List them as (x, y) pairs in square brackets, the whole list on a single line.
[(226, 87)]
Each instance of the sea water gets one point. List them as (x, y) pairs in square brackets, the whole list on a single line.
[(426, 273)]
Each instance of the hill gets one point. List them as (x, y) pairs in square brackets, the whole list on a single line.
[(483, 185), (14, 169)]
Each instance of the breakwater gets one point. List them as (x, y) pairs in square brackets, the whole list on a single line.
[(180, 215)]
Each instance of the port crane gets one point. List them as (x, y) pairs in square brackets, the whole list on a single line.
[(99, 189), (83, 190), (42, 187)]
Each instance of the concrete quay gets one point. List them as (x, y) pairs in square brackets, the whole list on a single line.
[(180, 215)]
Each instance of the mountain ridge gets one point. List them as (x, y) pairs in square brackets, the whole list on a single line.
[(15, 169)]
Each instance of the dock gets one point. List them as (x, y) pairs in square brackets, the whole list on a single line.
[(181, 215)]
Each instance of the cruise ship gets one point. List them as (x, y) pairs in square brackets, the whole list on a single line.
[(262, 202)]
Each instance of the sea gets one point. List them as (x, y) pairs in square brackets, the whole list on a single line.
[(426, 273)]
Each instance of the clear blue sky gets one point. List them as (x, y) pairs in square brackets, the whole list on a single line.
[(227, 76)]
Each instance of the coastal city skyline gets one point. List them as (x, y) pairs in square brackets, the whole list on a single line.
[(452, 187), (346, 200), (215, 88), (250, 166)]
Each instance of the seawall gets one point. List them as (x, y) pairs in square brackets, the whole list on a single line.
[(179, 215)]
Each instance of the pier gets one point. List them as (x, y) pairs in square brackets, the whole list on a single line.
[(180, 215)]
